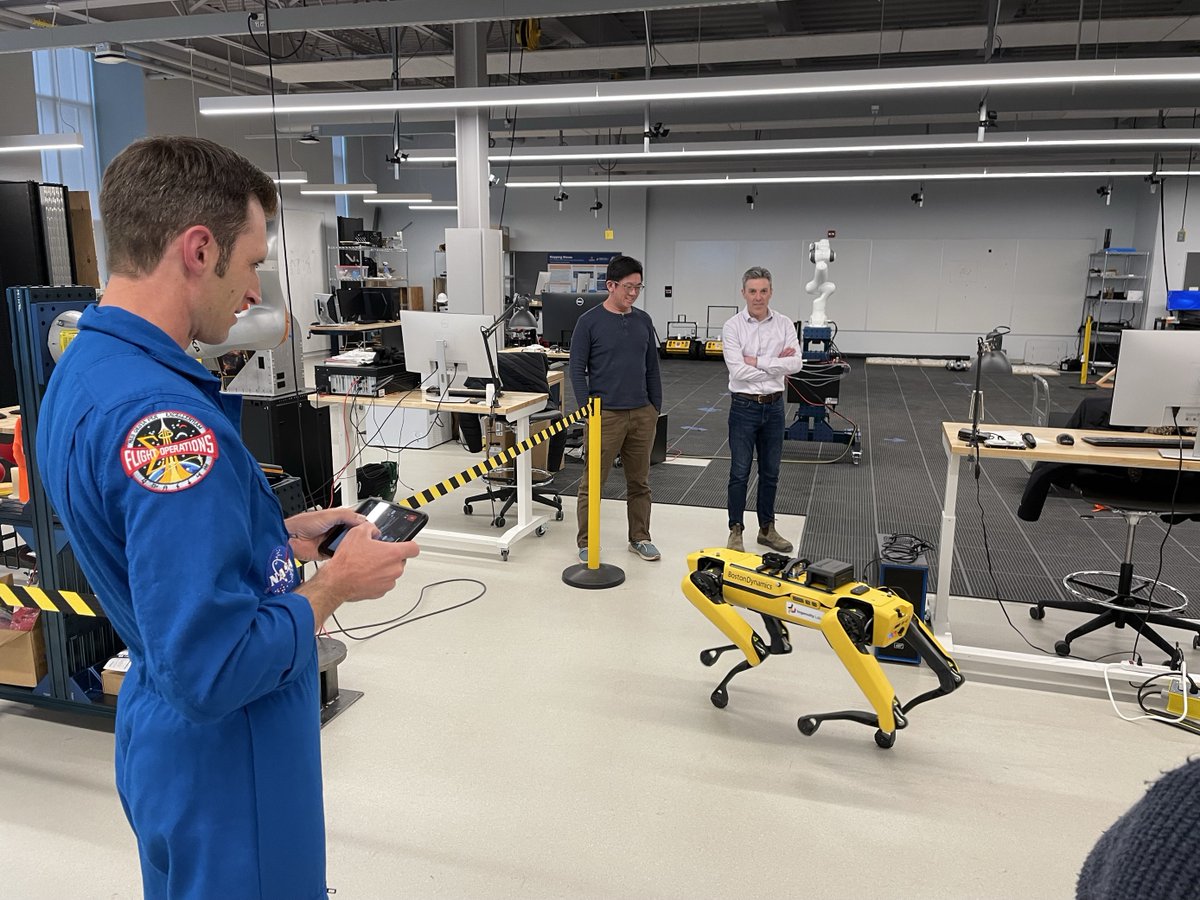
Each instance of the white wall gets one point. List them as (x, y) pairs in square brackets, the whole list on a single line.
[(20, 116), (910, 280)]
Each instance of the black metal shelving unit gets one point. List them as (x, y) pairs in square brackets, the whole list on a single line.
[(75, 645)]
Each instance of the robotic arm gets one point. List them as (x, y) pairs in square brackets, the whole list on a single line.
[(820, 255), (265, 325), (852, 616)]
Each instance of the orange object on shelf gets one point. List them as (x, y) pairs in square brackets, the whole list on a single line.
[(19, 454)]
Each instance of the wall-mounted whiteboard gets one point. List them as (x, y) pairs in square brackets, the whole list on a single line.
[(911, 295), (975, 291), (904, 281), (709, 274)]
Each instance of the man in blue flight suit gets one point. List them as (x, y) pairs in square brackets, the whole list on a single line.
[(217, 741)]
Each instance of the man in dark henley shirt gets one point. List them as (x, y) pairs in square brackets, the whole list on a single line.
[(614, 356)]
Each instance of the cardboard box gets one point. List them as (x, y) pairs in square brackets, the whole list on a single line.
[(113, 674), (22, 653)]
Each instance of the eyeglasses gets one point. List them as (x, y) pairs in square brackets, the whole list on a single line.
[(629, 287)]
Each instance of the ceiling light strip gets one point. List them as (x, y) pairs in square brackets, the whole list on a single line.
[(31, 143), (400, 198), (898, 80), (339, 189), (836, 177)]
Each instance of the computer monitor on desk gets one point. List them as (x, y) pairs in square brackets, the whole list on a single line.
[(560, 313), (445, 349), (1158, 382)]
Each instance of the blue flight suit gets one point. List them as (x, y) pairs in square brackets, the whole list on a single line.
[(217, 739)]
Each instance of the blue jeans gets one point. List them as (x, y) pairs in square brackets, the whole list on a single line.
[(754, 428)]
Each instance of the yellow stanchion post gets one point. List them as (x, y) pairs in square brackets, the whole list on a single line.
[(593, 574), (1086, 362)]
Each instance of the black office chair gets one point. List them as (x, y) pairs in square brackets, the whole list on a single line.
[(1122, 598), (1118, 598), (520, 372)]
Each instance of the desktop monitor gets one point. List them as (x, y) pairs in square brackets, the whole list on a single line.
[(1157, 372), (445, 348), (560, 312), (348, 228), (367, 305)]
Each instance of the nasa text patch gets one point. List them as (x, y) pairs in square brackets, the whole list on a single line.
[(169, 451)]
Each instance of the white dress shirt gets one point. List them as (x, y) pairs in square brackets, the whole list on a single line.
[(744, 335)]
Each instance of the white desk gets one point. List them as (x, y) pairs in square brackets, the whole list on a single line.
[(516, 407), (1047, 450)]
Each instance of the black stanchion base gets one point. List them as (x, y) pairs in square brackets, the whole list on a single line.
[(1082, 387), (580, 576)]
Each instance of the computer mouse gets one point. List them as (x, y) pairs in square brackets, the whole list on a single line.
[(1029, 440), (1065, 439)]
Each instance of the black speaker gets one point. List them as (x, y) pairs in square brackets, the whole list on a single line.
[(290, 433), (911, 581)]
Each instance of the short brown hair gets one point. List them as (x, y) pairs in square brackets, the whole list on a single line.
[(158, 187)]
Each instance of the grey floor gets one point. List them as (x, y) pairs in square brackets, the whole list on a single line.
[(545, 742)]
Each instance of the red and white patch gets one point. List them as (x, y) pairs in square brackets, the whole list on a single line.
[(169, 451)]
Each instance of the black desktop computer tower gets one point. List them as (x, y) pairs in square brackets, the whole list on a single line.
[(289, 432), (910, 580)]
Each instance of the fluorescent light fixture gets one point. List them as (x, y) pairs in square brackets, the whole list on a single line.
[(21, 143), (762, 178), (289, 177), (811, 84), (339, 189), (400, 198), (435, 207), (716, 150)]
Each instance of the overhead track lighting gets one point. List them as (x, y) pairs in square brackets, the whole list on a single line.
[(339, 189), (289, 177), (32, 143), (732, 87), (835, 177), (410, 199), (1046, 140), (311, 138), (435, 207)]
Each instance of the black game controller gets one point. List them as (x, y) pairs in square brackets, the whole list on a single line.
[(395, 523)]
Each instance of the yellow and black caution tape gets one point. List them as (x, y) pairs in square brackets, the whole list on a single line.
[(504, 457), (72, 603), (68, 602)]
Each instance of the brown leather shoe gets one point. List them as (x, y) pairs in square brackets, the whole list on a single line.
[(769, 537), (735, 538)]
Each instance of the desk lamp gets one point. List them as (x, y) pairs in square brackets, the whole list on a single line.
[(517, 315), (990, 358)]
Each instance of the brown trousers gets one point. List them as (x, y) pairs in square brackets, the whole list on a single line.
[(629, 432)]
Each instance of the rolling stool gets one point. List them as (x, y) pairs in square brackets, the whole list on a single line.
[(1122, 598)]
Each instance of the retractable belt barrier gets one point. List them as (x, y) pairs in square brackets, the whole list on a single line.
[(466, 476), (75, 604), (67, 602)]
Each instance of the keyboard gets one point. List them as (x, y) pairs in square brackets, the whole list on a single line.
[(1146, 442), (472, 393)]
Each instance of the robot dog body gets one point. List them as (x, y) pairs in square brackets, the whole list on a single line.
[(852, 616)]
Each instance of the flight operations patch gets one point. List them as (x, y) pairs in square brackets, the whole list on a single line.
[(169, 451)]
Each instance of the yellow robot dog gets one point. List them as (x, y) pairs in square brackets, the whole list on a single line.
[(822, 595)]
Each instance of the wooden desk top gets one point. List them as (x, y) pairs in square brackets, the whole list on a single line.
[(351, 327), (511, 402), (1048, 450)]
